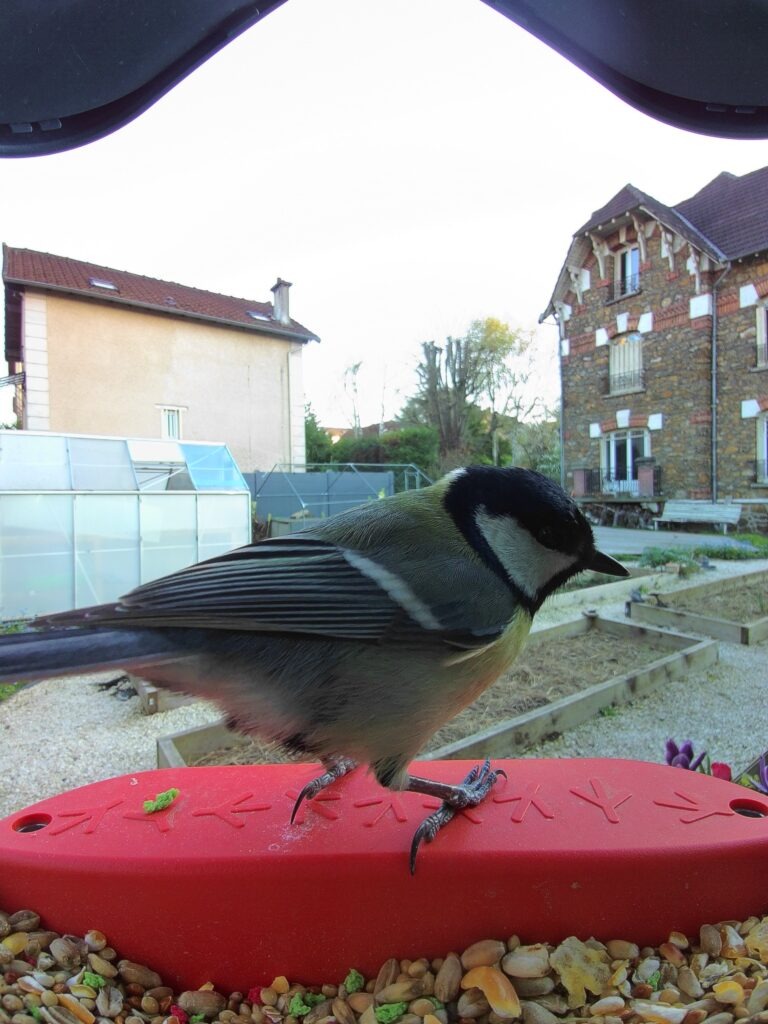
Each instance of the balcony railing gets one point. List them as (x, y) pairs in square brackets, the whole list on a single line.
[(598, 482), (628, 285), (621, 383)]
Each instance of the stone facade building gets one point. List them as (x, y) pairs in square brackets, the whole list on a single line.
[(93, 350), (663, 313)]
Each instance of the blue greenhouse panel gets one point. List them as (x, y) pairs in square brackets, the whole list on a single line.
[(40, 461), (211, 467)]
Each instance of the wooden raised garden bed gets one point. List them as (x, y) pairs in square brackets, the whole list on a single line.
[(566, 674), (733, 609), (155, 698)]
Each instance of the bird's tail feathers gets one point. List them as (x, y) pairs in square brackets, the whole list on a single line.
[(64, 652)]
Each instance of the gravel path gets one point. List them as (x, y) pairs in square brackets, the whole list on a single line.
[(60, 734)]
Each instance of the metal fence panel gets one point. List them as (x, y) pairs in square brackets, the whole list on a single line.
[(283, 495)]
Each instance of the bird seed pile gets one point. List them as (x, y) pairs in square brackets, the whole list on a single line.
[(720, 977)]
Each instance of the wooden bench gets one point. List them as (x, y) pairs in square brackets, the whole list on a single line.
[(724, 515)]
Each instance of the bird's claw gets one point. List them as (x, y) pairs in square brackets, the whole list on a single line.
[(429, 828), (468, 793), (334, 771), (311, 789)]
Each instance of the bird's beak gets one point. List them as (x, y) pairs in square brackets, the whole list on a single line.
[(601, 562)]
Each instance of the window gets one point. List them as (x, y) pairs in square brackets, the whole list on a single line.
[(626, 279), (619, 452), (625, 364), (101, 282), (761, 463), (170, 422), (762, 337)]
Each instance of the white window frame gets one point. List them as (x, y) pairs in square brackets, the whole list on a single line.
[(761, 449), (626, 282), (761, 323), (608, 460), (169, 413), (625, 364)]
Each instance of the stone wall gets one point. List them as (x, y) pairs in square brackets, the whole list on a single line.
[(738, 378), (672, 311)]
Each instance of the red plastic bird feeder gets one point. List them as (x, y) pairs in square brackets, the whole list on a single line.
[(220, 886)]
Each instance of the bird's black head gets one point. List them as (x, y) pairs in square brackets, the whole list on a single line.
[(525, 527)]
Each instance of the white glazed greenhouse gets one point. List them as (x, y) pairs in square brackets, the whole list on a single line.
[(85, 519)]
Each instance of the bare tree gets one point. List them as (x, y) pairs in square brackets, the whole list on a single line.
[(350, 387), (505, 370), (489, 366), (448, 380)]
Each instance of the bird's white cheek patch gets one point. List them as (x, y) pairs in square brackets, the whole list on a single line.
[(530, 565)]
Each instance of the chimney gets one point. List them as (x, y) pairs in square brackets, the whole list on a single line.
[(280, 301)]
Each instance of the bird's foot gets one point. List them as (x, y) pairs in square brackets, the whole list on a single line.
[(333, 770), (468, 793)]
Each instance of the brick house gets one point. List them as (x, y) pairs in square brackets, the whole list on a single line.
[(662, 313), (101, 351)]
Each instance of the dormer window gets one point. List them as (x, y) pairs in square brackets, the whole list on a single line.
[(255, 315), (101, 282), (626, 273)]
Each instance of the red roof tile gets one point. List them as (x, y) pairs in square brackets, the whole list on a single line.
[(59, 273)]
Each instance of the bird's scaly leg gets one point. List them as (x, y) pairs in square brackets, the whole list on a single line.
[(335, 768), (470, 792)]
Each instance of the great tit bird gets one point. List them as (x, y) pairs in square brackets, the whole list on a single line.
[(353, 640)]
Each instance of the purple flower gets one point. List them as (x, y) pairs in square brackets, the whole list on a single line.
[(761, 782), (683, 756)]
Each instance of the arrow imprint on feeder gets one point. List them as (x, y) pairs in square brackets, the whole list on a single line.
[(315, 804), (162, 820), (693, 808), (227, 810), (90, 818), (607, 804), (390, 804), (528, 799)]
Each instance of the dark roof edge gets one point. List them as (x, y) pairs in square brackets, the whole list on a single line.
[(260, 326), (717, 252), (697, 239)]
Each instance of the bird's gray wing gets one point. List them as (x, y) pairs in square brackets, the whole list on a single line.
[(285, 585)]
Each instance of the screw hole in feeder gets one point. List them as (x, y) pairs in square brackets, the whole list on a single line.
[(749, 808), (32, 823)]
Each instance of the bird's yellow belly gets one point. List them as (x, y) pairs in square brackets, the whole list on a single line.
[(474, 671)]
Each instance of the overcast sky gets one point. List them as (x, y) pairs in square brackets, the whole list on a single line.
[(409, 166)]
